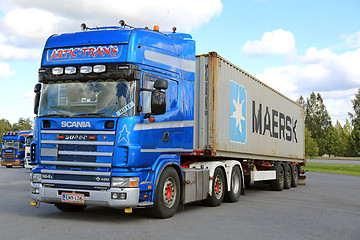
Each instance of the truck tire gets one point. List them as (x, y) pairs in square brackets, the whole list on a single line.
[(295, 176), (70, 207), (236, 184), (167, 194), (278, 183), (287, 176), (218, 189)]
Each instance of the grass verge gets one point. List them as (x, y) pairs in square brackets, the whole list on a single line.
[(344, 169)]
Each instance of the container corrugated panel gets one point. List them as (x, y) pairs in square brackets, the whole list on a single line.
[(238, 116)]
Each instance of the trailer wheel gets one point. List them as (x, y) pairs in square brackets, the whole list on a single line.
[(278, 183), (288, 176), (167, 194), (295, 176), (218, 189), (236, 184), (70, 207)]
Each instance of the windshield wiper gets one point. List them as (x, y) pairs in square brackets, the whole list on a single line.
[(90, 114)]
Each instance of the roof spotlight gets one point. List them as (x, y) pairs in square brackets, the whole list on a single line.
[(83, 26)]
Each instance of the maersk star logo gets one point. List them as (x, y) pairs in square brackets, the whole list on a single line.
[(237, 113), (124, 135)]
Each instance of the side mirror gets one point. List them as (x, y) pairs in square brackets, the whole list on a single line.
[(37, 90), (161, 84), (158, 102)]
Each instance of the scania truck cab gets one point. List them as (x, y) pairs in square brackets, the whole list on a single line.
[(105, 128), (13, 148)]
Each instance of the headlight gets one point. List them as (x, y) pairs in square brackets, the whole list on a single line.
[(36, 177), (124, 182)]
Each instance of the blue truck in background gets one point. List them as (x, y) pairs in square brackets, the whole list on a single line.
[(126, 119), (13, 148)]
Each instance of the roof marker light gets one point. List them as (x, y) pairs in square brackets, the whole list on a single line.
[(57, 71), (70, 70), (99, 68), (156, 28), (86, 69)]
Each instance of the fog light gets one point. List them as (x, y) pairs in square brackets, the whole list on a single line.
[(118, 196), (35, 190)]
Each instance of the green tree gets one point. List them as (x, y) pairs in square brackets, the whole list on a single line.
[(332, 142), (317, 119), (344, 138), (22, 124), (354, 140), (355, 118), (301, 101), (311, 148), (5, 126)]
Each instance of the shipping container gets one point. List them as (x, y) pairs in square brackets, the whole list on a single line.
[(238, 116)]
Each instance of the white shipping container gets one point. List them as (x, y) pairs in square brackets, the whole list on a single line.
[(238, 116)]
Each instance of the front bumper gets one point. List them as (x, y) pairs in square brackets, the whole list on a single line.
[(5, 162), (92, 197)]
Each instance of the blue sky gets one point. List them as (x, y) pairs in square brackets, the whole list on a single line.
[(294, 46)]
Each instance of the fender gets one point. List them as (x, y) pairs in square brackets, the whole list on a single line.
[(229, 165), (211, 166), (161, 163)]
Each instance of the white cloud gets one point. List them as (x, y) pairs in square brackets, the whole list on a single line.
[(28, 97), (313, 55), (31, 23), (5, 70), (10, 52), (335, 76), (26, 24), (277, 42), (352, 40)]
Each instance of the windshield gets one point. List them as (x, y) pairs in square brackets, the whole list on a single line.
[(108, 98), (10, 145)]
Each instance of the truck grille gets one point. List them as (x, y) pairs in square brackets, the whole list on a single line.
[(8, 160), (77, 164), (9, 155)]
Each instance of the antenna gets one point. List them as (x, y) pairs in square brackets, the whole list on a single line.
[(167, 13)]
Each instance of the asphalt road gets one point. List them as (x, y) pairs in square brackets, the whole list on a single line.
[(328, 207)]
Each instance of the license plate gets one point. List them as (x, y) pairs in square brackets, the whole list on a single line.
[(73, 197)]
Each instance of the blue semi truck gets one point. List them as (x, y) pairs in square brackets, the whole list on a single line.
[(13, 148), (132, 118)]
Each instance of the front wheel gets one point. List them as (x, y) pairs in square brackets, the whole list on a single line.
[(167, 194)]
